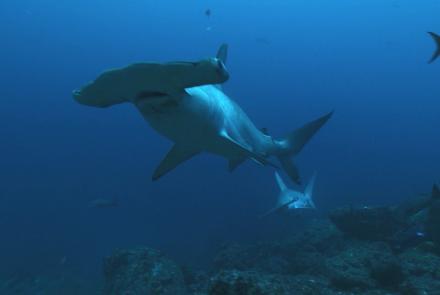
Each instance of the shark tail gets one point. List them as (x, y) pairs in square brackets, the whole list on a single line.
[(282, 203), (309, 191), (436, 39), (293, 143)]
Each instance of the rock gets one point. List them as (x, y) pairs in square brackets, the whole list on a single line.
[(319, 236), (367, 223), (365, 266), (142, 271), (433, 223), (267, 257), (422, 285), (422, 270), (416, 262), (234, 282), (303, 253), (196, 281), (54, 284), (386, 270)]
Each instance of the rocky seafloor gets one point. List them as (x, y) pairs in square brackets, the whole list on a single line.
[(320, 259)]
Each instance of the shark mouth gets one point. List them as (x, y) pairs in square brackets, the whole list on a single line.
[(154, 102), (148, 95)]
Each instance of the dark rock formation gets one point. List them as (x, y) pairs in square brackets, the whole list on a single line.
[(142, 271), (367, 223), (365, 266), (422, 270), (317, 260), (24, 283), (304, 253), (234, 282), (403, 226), (433, 223)]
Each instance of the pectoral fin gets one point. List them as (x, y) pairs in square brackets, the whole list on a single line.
[(260, 159), (176, 156), (276, 209), (234, 163)]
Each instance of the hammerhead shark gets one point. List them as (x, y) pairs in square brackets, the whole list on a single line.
[(289, 199), (184, 101)]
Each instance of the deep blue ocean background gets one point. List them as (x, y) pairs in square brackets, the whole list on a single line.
[(290, 62)]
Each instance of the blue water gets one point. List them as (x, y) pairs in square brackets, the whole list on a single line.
[(290, 62)]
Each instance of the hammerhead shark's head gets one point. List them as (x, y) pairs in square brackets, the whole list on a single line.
[(184, 102), (436, 53), (289, 199)]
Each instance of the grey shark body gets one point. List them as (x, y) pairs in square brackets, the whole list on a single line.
[(185, 103), (289, 199)]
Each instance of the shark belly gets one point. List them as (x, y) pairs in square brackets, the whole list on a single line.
[(183, 122), (204, 118)]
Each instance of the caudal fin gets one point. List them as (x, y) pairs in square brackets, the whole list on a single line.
[(436, 39), (293, 143), (308, 192), (284, 199)]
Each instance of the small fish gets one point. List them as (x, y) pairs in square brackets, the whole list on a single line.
[(208, 12), (409, 237), (103, 203)]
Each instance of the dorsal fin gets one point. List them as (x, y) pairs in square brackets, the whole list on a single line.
[(234, 163), (436, 39), (222, 53)]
